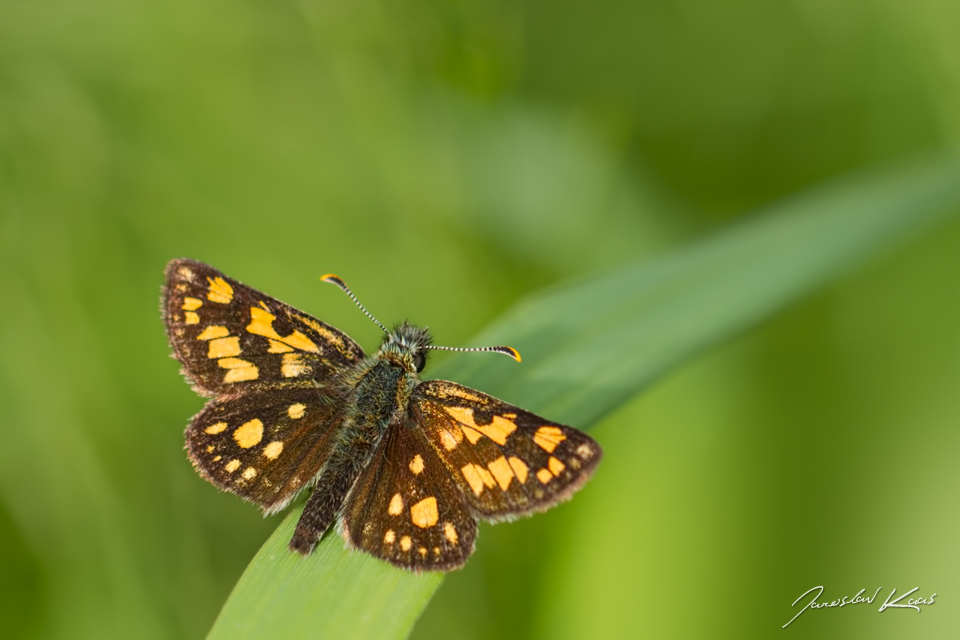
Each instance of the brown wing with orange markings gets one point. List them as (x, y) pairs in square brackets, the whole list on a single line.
[(406, 509), (231, 338), (507, 462), (264, 446)]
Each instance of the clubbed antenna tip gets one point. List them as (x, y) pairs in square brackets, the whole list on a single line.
[(333, 278), (510, 351)]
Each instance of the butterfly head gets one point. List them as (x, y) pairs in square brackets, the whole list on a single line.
[(407, 346)]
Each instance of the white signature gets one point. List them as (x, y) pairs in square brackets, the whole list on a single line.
[(912, 603)]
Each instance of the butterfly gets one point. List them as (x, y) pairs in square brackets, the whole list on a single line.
[(405, 467)]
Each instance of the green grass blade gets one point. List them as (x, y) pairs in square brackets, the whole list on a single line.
[(331, 594), (587, 348)]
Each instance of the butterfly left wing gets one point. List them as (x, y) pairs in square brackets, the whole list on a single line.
[(406, 509), (232, 338), (265, 446), (506, 461)]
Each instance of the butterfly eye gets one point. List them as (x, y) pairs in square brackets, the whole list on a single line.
[(419, 361)]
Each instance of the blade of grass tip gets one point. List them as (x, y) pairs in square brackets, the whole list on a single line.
[(587, 348)]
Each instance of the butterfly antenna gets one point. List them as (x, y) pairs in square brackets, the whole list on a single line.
[(334, 279), (510, 351)]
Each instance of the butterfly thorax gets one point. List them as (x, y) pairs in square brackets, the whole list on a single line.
[(381, 385), (380, 398)]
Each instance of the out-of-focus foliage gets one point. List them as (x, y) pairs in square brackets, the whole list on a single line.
[(447, 158)]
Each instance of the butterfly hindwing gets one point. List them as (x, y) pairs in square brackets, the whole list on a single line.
[(264, 446), (231, 338), (506, 461), (405, 508)]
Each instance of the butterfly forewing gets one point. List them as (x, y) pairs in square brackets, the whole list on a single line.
[(230, 337), (406, 509), (506, 461), (264, 446)]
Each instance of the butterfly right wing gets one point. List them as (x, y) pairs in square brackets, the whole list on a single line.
[(508, 462), (406, 509), (265, 446)]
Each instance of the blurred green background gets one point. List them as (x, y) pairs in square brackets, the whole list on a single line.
[(446, 158)]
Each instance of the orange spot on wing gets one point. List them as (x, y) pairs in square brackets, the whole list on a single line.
[(249, 434), (219, 291), (238, 370), (477, 477), (261, 324), (547, 438), (472, 434), (213, 331), (278, 347), (555, 466), (473, 478), (224, 347), (502, 472), (396, 505), (498, 429), (273, 450), (463, 415), (416, 465), (296, 411), (450, 532), (520, 468), (424, 513), (220, 427), (486, 476)]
